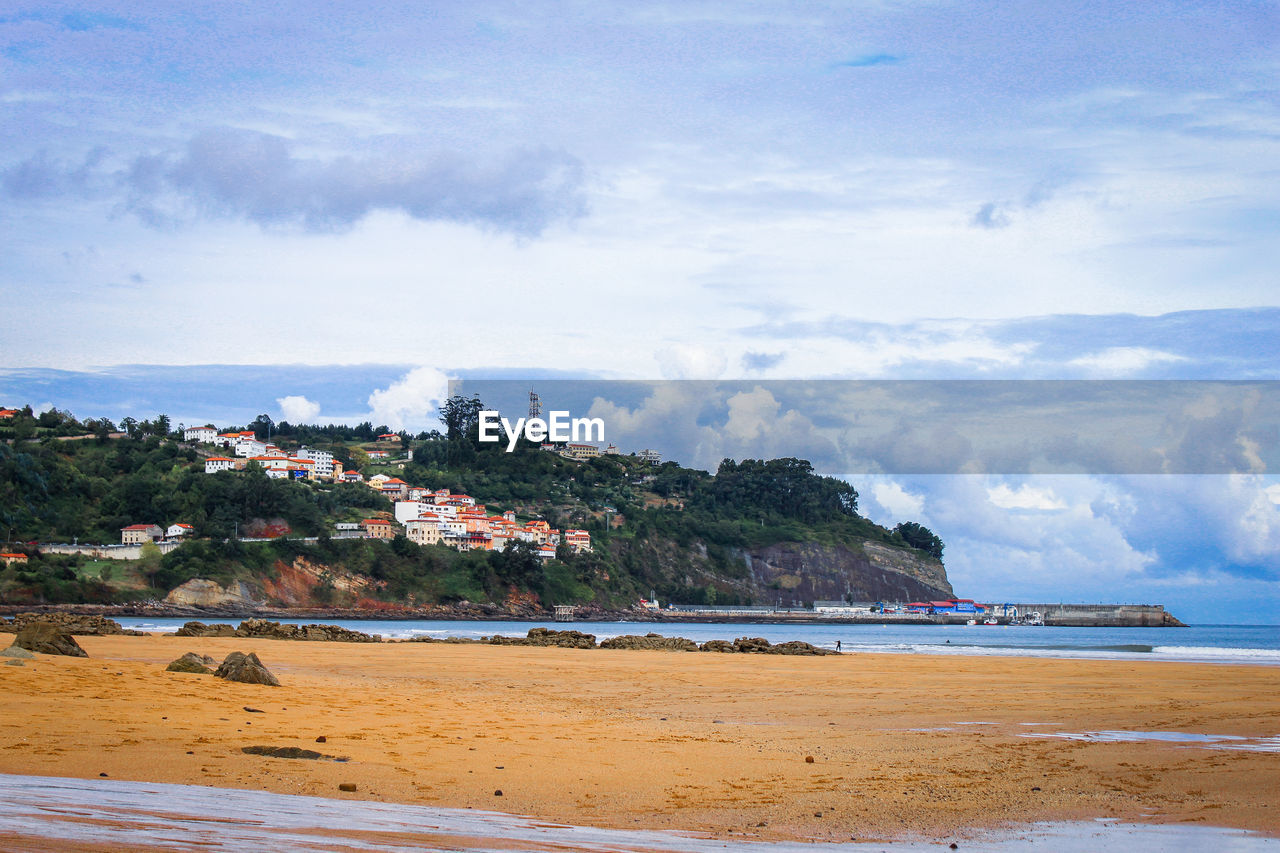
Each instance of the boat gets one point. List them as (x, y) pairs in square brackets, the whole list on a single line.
[(990, 621), (1036, 618), (972, 622)]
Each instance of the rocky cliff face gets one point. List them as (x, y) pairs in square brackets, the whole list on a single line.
[(794, 571), (875, 572)]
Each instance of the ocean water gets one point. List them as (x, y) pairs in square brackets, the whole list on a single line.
[(1235, 644), (48, 813)]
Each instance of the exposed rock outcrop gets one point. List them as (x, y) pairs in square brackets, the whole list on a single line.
[(288, 752), (90, 625), (874, 572), (761, 646), (199, 629), (650, 641), (191, 662), (246, 669), (49, 639), (549, 637), (268, 630), (199, 592)]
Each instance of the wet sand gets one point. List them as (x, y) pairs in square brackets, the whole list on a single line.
[(902, 745)]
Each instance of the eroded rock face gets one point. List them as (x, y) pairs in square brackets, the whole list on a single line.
[(246, 669), (650, 641), (191, 662), (199, 592), (49, 639)]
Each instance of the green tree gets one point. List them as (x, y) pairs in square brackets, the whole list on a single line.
[(920, 537)]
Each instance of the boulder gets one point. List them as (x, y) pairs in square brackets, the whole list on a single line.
[(752, 645), (16, 652), (800, 647), (48, 638), (199, 629), (285, 752), (268, 630), (761, 646), (246, 669), (650, 641), (549, 637), (191, 662)]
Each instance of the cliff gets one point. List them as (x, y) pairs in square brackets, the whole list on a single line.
[(874, 572), (790, 571)]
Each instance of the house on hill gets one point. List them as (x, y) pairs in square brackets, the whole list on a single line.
[(378, 528), (203, 434), (137, 534)]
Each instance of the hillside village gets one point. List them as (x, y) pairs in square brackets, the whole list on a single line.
[(424, 516), (380, 519)]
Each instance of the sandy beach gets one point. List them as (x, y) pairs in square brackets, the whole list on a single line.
[(862, 746)]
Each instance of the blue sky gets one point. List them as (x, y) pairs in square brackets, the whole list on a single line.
[(881, 189)]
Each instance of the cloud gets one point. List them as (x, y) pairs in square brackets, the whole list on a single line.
[(691, 361), (1124, 360), (1236, 343), (1024, 497), (900, 504), (298, 410), (411, 402), (761, 360), (262, 178)]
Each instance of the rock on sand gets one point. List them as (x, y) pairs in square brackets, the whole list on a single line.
[(48, 638), (245, 668)]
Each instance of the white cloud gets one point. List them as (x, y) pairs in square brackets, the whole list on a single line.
[(298, 409), (1024, 497), (900, 503), (1119, 361), (412, 401), (691, 361)]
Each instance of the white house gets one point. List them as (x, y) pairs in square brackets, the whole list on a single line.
[(250, 447), (323, 459), (214, 464), (202, 434), (177, 531), (406, 511)]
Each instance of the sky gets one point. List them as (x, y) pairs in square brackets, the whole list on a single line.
[(323, 211)]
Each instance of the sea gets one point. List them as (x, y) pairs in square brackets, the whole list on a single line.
[(1233, 644)]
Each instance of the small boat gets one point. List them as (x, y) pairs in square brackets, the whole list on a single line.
[(990, 622), (972, 622)]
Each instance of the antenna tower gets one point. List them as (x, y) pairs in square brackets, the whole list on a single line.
[(535, 405)]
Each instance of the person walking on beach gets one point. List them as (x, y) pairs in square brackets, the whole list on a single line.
[(837, 645)]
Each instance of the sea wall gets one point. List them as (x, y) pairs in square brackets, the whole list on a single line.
[(1097, 615)]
